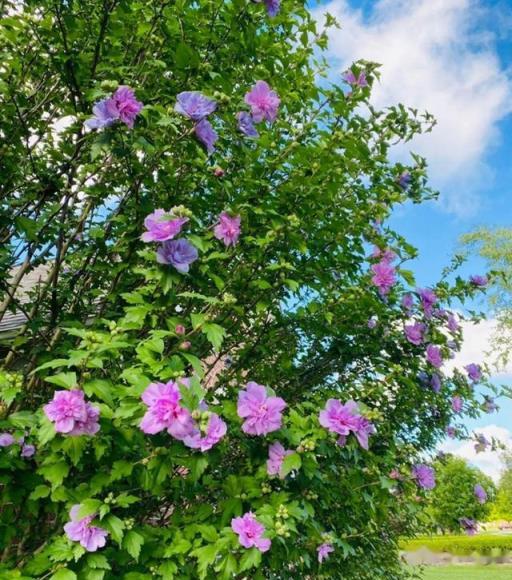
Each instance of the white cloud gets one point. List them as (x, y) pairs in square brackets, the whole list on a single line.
[(434, 57), (477, 348), (489, 461)]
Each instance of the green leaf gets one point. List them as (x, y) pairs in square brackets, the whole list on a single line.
[(208, 533), (185, 56), (74, 448), (198, 467), (39, 492), (232, 507), (66, 380), (250, 559), (98, 561), (120, 468), (124, 500), (22, 419), (46, 431), (132, 543), (168, 570), (197, 320), (55, 473), (205, 557), (228, 567), (115, 526), (88, 507), (100, 388), (53, 364), (64, 574), (179, 545), (28, 227), (195, 362), (291, 462), (215, 334)]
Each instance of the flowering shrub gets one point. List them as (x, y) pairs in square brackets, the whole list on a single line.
[(197, 391)]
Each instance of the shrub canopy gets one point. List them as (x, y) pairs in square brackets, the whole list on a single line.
[(288, 306)]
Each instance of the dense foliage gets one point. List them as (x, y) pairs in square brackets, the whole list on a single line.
[(453, 498), (297, 302)]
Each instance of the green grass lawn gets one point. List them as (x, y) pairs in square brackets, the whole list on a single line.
[(468, 573)]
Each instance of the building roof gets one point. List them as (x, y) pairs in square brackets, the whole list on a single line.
[(11, 322)]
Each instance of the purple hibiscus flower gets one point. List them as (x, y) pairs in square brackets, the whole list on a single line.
[(263, 101), (355, 81), (424, 476), (414, 332), (385, 255), (457, 403), (27, 450), (404, 180), (194, 105), (384, 276), (364, 428), (480, 493), (451, 431), (228, 229), (478, 280), (372, 322), (474, 372), (481, 443), (6, 440), (344, 419), (276, 456), (81, 530), (434, 357), (206, 134), (250, 532), (428, 299), (323, 551), (215, 430), (435, 382), (339, 418), (262, 413), (407, 301), (162, 226), (490, 405), (469, 526), (121, 106), (105, 114), (127, 105), (246, 124), (165, 412), (453, 325), (72, 414), (179, 253), (271, 5)]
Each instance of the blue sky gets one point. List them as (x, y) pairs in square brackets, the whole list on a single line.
[(454, 59)]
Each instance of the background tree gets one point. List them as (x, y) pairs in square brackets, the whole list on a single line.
[(302, 303), (495, 247), (501, 508), (454, 498)]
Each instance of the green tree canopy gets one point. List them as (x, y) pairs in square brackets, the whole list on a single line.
[(454, 498), (502, 505)]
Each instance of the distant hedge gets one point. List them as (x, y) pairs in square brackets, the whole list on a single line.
[(462, 545)]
